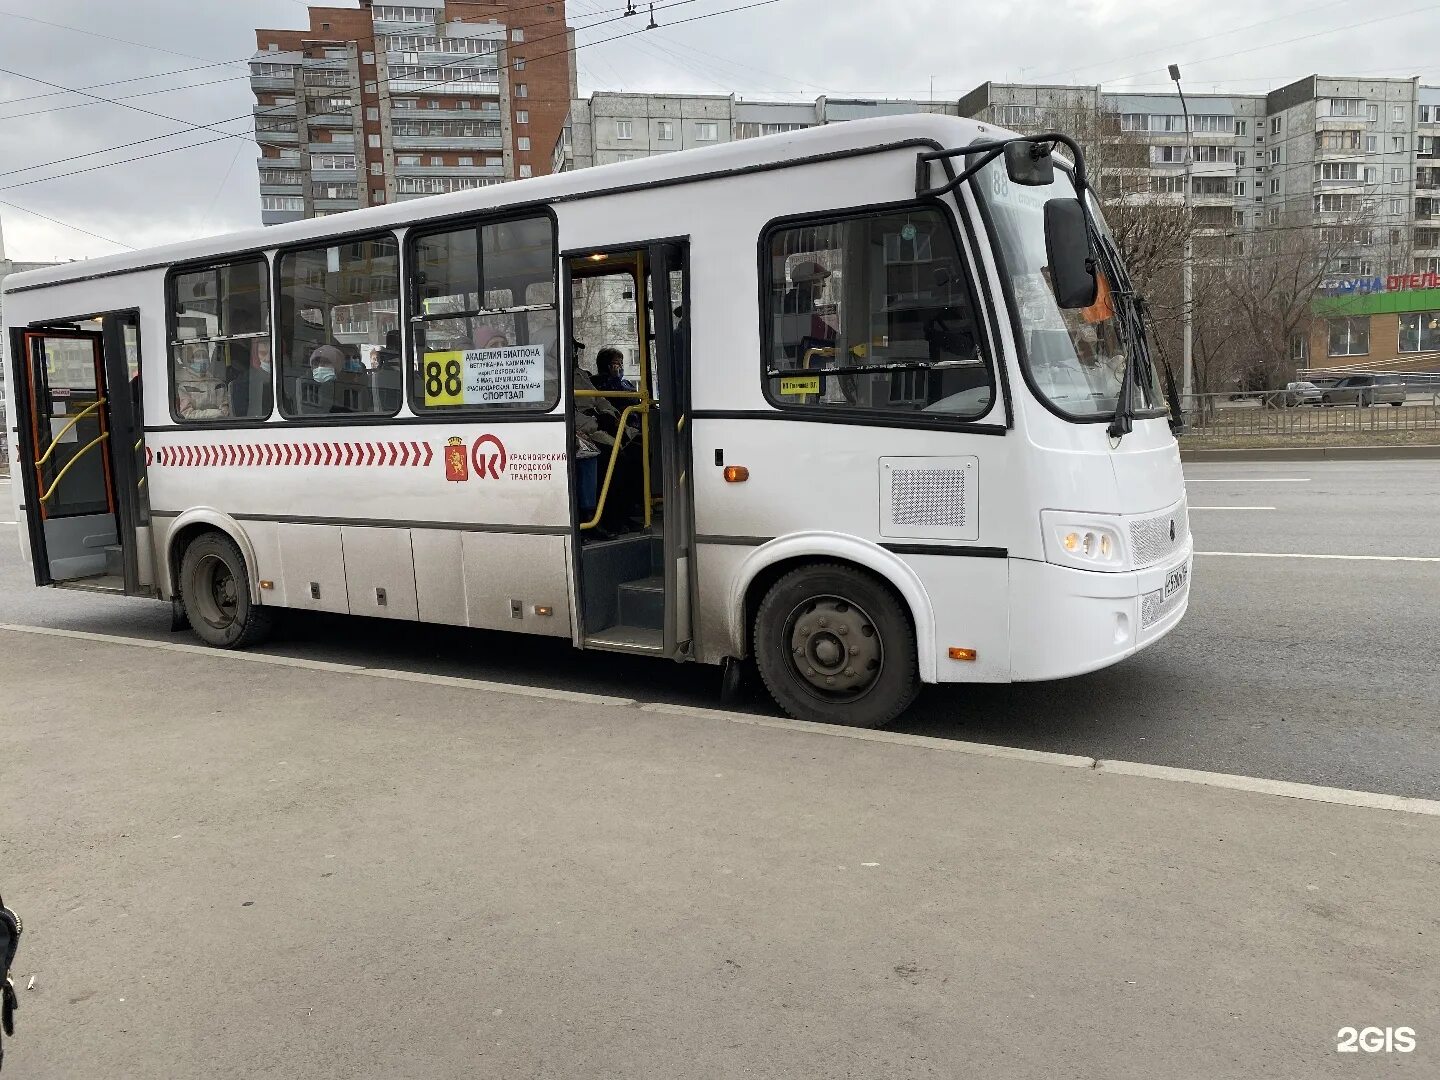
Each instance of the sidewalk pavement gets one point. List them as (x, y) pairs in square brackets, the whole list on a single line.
[(262, 869)]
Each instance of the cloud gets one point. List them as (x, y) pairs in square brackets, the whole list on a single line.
[(794, 49)]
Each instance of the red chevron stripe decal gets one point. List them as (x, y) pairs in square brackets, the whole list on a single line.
[(429, 454)]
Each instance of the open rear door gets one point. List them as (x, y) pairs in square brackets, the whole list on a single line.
[(66, 468)]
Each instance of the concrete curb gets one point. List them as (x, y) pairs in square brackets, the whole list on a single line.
[(1421, 451), (1370, 800)]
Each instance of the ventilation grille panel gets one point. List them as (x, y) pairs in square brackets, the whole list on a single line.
[(929, 498)]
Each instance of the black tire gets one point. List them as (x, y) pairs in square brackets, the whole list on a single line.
[(1397, 404), (805, 665), (1325, 402), (215, 592)]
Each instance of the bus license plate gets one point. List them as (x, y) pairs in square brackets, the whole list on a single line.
[(1175, 580)]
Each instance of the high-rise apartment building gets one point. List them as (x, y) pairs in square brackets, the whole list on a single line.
[(388, 102)]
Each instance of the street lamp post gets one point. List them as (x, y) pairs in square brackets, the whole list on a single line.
[(1187, 394)]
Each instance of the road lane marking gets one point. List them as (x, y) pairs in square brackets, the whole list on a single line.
[(1250, 784), (1249, 480), (1232, 508), (1304, 555)]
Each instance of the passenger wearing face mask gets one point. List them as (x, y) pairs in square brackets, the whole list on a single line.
[(200, 392), (325, 364), (253, 394)]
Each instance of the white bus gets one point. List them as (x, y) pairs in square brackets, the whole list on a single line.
[(894, 420)]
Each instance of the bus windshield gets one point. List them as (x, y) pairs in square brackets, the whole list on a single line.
[(1076, 359)]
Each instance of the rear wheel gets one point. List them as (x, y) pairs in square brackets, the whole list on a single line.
[(836, 646), (215, 592)]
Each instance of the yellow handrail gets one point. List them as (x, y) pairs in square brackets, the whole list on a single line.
[(71, 464), (615, 457), (55, 439)]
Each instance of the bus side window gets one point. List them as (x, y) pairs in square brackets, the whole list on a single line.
[(220, 342)]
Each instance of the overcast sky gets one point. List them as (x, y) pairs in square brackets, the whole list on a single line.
[(791, 49)]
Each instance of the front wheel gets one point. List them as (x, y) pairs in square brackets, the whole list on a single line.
[(836, 646), (215, 592)]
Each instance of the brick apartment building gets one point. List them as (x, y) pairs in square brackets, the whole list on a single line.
[(389, 102)]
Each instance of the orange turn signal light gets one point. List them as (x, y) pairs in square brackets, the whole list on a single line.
[(963, 654), (736, 474), (267, 584)]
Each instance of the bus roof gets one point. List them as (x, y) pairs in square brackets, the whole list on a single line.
[(742, 154)]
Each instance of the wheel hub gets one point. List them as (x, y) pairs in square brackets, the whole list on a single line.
[(835, 649)]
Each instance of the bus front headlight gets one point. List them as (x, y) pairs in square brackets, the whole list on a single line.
[(1084, 541)]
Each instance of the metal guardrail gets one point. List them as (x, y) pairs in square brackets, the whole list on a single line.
[(1284, 413)]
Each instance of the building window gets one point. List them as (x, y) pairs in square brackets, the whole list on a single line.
[(494, 162), (437, 161), (1274, 156), (1299, 348), (1424, 114), (665, 131), (377, 195), (526, 171), (367, 58), (1134, 121), (335, 294), (1275, 187), (1420, 330), (1372, 174), (624, 157), (833, 282), (521, 90), (476, 344), (1372, 144), (1349, 337), (372, 141), (1242, 127), (1397, 175), (372, 113), (1397, 207), (522, 116), (407, 159), (1240, 187), (329, 162), (467, 161), (1372, 114), (372, 88), (1339, 170), (1340, 107), (523, 142), (1398, 114), (517, 34), (1397, 144), (221, 328), (1240, 158), (519, 63), (707, 132), (623, 129), (1275, 125)]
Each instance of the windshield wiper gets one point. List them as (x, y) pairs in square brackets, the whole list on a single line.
[(1128, 303)]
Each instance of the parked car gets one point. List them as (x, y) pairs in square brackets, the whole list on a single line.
[(1364, 391), (1295, 393)]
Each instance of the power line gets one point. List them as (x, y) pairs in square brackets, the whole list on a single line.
[(187, 126), (119, 82), (65, 224), (207, 142), (126, 97)]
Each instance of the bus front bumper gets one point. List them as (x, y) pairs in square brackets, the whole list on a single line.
[(1066, 622)]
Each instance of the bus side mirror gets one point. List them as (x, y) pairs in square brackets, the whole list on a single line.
[(1029, 164), (1067, 250)]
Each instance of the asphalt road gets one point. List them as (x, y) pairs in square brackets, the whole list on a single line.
[(1301, 666)]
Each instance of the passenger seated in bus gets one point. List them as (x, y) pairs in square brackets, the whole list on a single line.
[(798, 318), (326, 363), (252, 394), (200, 389), (598, 420), (610, 371), (486, 336)]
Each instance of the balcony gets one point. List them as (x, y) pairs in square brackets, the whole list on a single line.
[(331, 120), (276, 110), (336, 206), (449, 170), (491, 112), (272, 82), (278, 138), (447, 142), (279, 217), (297, 188), (474, 86), (336, 147)]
